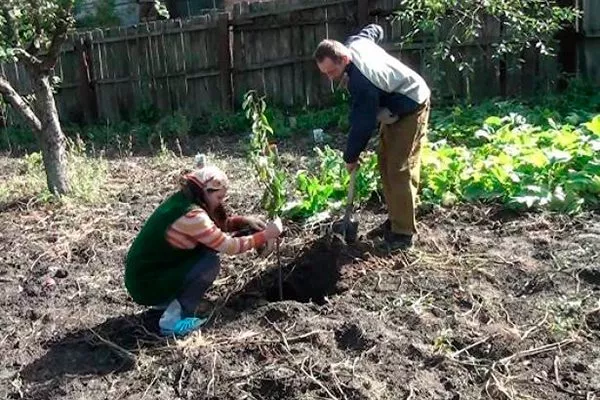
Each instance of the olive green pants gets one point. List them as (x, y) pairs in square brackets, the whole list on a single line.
[(399, 164)]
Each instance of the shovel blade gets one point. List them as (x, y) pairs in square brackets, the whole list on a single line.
[(348, 231)]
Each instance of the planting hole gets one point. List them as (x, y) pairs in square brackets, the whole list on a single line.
[(310, 278)]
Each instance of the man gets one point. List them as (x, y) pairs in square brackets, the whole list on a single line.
[(383, 89)]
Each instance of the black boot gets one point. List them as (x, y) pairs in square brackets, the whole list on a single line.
[(397, 241), (381, 230)]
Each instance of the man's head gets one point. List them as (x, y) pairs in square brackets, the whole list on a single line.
[(332, 57)]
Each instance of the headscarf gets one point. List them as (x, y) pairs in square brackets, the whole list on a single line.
[(211, 178), (208, 177)]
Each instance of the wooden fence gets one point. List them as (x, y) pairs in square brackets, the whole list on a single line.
[(205, 64)]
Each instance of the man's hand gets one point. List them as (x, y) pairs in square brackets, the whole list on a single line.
[(255, 223), (351, 166)]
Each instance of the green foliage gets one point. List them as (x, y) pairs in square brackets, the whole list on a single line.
[(334, 117), (103, 15), (176, 125), (522, 165), (18, 139), (29, 24), (323, 186), (161, 9), (86, 174), (566, 315), (264, 156), (221, 123), (526, 22), (459, 124), (147, 113), (450, 24)]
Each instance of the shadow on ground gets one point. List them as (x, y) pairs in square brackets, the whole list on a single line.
[(108, 348)]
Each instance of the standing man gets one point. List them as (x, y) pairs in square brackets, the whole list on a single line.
[(383, 89)]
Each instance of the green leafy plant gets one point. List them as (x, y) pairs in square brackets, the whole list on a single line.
[(175, 126), (333, 117), (264, 155), (323, 187), (519, 164)]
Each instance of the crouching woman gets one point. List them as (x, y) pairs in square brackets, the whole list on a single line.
[(175, 257)]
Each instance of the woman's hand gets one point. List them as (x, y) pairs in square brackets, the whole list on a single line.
[(274, 229), (255, 223)]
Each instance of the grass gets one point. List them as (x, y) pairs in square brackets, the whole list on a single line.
[(86, 174)]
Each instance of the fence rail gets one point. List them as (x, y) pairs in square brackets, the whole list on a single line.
[(205, 64)]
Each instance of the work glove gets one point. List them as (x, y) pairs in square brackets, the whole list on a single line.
[(273, 229), (386, 117)]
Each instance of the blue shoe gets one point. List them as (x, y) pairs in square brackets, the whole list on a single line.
[(184, 327)]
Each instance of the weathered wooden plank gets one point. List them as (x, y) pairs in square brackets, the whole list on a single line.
[(259, 45), (133, 69), (112, 93), (246, 12), (322, 84), (197, 62), (308, 42), (98, 68), (224, 61), (175, 67), (187, 63), (213, 54), (530, 72), (297, 51), (514, 70), (287, 71), (86, 88), (148, 87), (338, 25), (253, 49), (125, 101), (159, 61), (211, 83), (239, 57), (272, 76), (103, 91), (362, 12)]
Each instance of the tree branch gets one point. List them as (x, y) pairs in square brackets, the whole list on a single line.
[(27, 58), (19, 104), (60, 35)]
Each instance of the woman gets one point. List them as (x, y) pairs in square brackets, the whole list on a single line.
[(174, 259)]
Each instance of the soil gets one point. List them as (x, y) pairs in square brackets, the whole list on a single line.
[(488, 304)]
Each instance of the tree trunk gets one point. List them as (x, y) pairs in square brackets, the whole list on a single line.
[(52, 138)]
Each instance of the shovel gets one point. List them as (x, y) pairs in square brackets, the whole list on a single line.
[(347, 227)]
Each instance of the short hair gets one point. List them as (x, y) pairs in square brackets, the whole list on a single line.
[(330, 49)]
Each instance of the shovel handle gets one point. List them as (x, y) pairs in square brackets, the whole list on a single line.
[(350, 200)]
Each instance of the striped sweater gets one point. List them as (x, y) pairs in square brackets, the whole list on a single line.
[(196, 226)]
